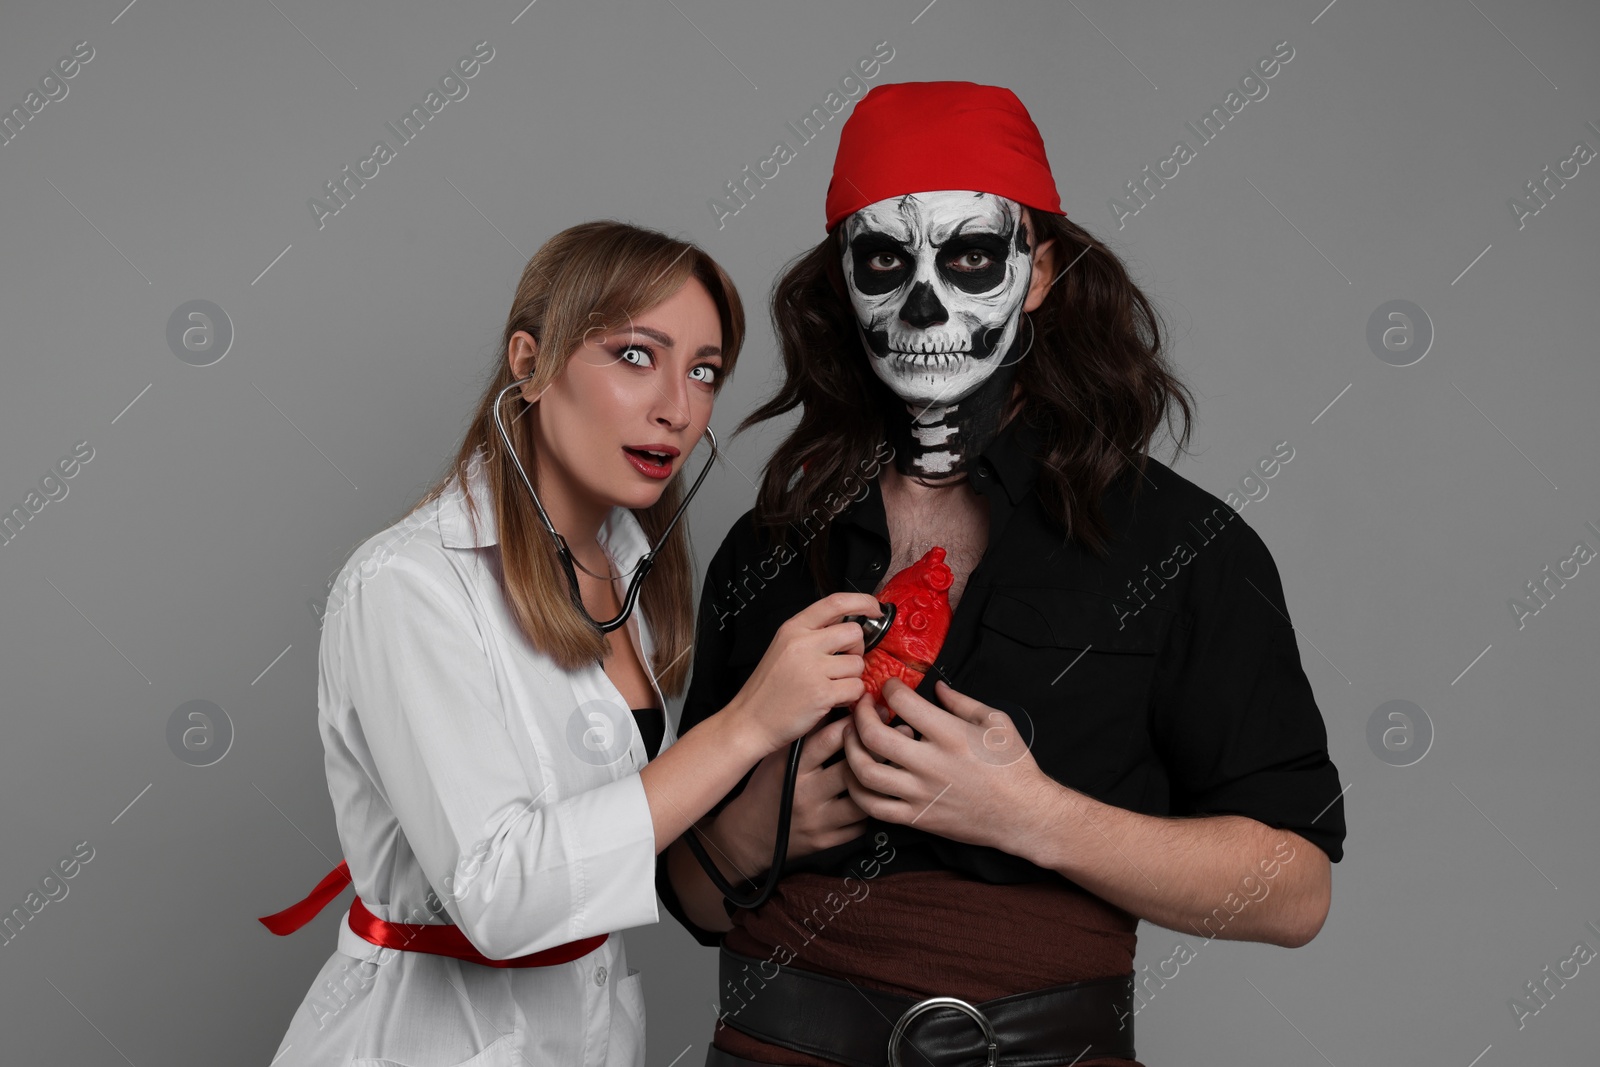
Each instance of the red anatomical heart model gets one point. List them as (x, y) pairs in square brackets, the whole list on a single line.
[(921, 596)]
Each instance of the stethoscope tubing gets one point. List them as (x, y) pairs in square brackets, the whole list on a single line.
[(873, 630), (564, 550)]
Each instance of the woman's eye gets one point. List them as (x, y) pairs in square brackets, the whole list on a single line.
[(884, 261), (711, 373), (623, 353)]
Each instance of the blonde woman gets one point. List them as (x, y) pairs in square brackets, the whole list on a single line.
[(501, 768)]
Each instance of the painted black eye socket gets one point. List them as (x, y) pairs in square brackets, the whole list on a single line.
[(881, 263), (975, 263), (971, 262)]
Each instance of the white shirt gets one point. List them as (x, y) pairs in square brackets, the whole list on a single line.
[(466, 767)]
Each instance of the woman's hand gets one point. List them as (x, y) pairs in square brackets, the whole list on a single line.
[(824, 814), (813, 664)]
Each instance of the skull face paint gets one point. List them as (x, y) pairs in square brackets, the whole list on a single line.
[(937, 281)]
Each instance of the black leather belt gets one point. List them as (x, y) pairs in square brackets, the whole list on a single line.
[(861, 1027)]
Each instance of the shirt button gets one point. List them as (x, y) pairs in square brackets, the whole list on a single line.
[(875, 568), (600, 976), (982, 473)]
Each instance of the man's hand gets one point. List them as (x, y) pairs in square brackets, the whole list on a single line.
[(970, 777), (824, 813)]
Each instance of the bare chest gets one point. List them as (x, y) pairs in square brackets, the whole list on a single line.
[(956, 519)]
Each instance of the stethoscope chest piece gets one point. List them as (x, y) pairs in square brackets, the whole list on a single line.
[(875, 629)]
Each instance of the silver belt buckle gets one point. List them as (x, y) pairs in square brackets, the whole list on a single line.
[(929, 1004)]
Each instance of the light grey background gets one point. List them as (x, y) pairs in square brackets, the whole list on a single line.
[(184, 561)]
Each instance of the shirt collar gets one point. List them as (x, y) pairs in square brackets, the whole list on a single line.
[(1013, 458), (1010, 459), (621, 535)]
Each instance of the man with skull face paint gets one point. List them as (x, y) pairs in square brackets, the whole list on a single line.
[(937, 281), (1086, 751)]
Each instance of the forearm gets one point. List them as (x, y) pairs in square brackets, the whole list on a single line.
[(702, 901), (1223, 876), (699, 769)]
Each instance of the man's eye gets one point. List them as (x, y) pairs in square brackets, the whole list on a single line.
[(972, 260), (623, 354), (883, 261), (710, 370)]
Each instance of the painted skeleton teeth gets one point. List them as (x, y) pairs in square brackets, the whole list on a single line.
[(942, 360)]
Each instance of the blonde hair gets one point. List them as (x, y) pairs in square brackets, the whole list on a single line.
[(593, 276)]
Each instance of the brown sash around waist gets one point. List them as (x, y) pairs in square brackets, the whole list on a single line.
[(928, 933)]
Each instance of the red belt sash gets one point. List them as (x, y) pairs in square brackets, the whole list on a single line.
[(439, 939)]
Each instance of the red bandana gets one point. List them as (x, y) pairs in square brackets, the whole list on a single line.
[(915, 137)]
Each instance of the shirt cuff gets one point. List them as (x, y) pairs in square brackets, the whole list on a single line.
[(1307, 801), (611, 840)]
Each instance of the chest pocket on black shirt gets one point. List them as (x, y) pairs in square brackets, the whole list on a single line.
[(1083, 682)]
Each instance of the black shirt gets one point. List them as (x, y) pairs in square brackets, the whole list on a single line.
[(1164, 679)]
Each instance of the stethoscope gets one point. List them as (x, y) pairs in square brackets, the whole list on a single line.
[(873, 631), (640, 569)]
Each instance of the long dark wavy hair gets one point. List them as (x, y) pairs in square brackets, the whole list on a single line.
[(1096, 382)]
